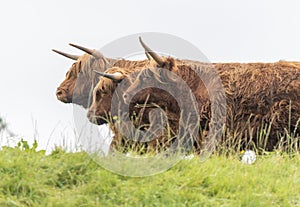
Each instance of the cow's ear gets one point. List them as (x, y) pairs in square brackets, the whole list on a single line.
[(170, 64)]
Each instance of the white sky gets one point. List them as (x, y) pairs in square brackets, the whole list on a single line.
[(225, 31)]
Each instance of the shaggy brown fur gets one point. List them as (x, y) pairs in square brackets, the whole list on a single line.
[(100, 110), (256, 93), (105, 88), (80, 79)]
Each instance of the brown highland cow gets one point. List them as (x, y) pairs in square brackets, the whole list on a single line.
[(262, 99)]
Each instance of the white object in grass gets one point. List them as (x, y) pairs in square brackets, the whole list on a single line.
[(249, 157), (188, 157)]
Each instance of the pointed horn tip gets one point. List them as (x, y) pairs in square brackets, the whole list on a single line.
[(97, 72), (73, 57), (142, 42), (54, 50), (92, 52), (79, 47)]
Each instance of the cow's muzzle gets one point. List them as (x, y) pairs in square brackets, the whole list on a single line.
[(61, 95)]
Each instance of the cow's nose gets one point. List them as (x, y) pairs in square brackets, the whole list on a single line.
[(90, 114), (58, 92)]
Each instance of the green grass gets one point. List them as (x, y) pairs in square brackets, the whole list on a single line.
[(30, 178)]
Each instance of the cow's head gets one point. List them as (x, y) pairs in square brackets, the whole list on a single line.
[(79, 79), (163, 84), (146, 88), (107, 86), (160, 73), (99, 111)]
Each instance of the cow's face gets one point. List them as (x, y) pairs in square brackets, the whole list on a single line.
[(77, 86), (149, 80), (144, 78), (79, 80), (65, 91), (108, 89), (99, 111)]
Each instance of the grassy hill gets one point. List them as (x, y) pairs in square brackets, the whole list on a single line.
[(30, 178)]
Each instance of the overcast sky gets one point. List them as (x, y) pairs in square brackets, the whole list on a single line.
[(225, 31)]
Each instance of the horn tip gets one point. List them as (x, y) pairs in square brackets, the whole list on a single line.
[(140, 39), (98, 72), (73, 57)]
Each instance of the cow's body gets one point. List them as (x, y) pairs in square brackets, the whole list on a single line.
[(257, 94)]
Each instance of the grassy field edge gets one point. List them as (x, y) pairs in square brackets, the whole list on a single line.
[(30, 178)]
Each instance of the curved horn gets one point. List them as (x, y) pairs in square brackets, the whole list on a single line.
[(73, 57), (94, 53), (154, 55), (115, 76)]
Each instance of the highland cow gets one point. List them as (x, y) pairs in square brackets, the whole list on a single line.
[(257, 95)]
